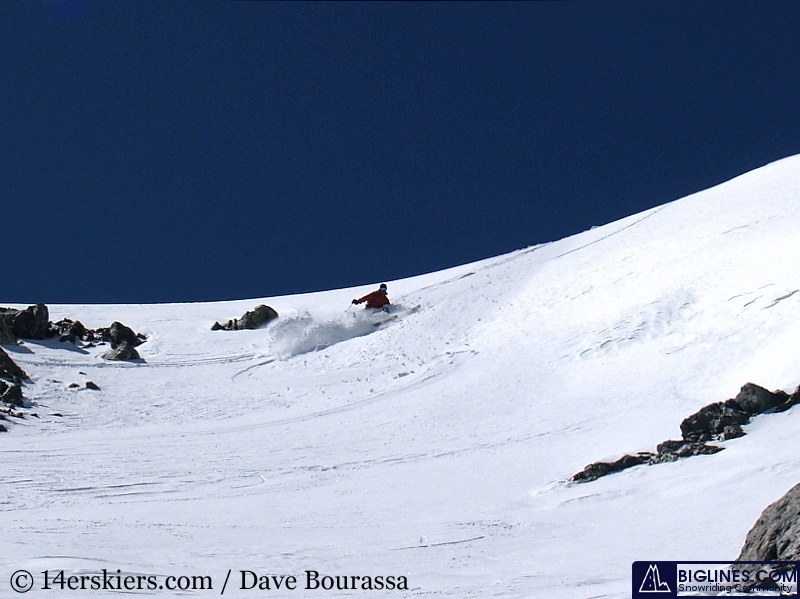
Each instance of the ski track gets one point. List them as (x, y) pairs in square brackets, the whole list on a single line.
[(440, 445)]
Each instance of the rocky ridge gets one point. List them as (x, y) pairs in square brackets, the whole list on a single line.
[(718, 421)]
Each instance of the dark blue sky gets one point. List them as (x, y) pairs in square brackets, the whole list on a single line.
[(158, 151)]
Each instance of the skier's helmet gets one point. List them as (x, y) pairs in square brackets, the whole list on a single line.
[(383, 287)]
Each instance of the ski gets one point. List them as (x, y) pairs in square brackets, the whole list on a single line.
[(395, 316)]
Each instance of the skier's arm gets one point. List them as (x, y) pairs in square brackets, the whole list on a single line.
[(366, 298)]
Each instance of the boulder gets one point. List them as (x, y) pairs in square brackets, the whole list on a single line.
[(69, 330), (13, 396), (670, 451), (6, 334), (710, 421), (792, 400), (259, 317), (756, 400), (92, 385), (123, 351), (7, 316), (31, 323), (118, 333), (776, 533), (732, 431), (9, 369)]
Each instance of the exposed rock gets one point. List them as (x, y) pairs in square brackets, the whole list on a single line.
[(253, 319), (670, 451), (3, 429), (124, 351), (717, 421), (92, 385), (6, 334), (31, 323), (3, 387), (598, 469), (13, 396), (69, 330), (118, 333), (710, 421), (732, 431), (756, 400), (6, 411), (9, 369), (791, 400), (74, 386), (776, 533), (723, 420)]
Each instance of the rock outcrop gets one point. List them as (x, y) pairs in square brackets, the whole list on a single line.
[(123, 351), (70, 330), (723, 420), (9, 369), (7, 412), (668, 451), (711, 421), (34, 323), (118, 333), (776, 533), (31, 323), (715, 422), (597, 469), (13, 395), (259, 317), (6, 335), (757, 400)]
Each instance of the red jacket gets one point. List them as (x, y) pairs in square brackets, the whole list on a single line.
[(376, 299)]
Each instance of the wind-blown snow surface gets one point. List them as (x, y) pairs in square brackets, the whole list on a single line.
[(436, 446)]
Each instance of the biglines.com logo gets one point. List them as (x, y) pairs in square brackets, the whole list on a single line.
[(663, 580)]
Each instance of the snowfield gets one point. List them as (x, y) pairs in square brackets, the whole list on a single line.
[(437, 446)]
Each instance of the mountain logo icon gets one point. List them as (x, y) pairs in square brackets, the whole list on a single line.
[(652, 582)]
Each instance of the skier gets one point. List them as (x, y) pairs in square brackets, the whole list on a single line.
[(376, 300)]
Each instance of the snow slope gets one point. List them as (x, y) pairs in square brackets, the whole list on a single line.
[(436, 446)]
